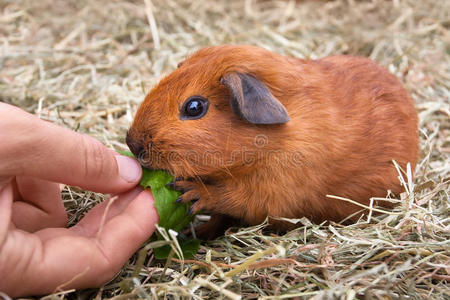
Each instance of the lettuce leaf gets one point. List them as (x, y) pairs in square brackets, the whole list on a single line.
[(171, 215)]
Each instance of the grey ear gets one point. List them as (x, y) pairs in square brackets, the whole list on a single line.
[(252, 101)]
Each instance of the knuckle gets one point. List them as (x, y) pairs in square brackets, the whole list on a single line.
[(107, 271), (95, 158)]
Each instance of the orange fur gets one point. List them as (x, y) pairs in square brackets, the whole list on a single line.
[(349, 118)]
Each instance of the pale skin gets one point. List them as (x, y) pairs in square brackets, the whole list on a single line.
[(38, 253)]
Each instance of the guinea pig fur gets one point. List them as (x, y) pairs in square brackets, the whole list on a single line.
[(250, 134)]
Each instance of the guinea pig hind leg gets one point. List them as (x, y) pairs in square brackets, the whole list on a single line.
[(215, 227)]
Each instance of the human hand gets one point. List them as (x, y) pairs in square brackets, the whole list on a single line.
[(37, 254)]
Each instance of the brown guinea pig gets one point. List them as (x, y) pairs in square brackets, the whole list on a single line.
[(250, 134)]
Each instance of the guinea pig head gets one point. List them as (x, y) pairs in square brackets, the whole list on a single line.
[(202, 119)]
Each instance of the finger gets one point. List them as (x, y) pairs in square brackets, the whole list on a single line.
[(41, 149), (140, 215), (96, 217), (67, 261), (4, 180), (6, 195), (38, 205), (105, 211)]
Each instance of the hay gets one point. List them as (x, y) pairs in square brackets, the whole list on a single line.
[(86, 65)]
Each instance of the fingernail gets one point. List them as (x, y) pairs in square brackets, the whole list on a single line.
[(179, 199), (129, 168), (170, 185)]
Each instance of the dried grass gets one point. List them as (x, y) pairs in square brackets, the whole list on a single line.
[(87, 65)]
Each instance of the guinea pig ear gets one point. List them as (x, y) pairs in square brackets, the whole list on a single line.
[(252, 101)]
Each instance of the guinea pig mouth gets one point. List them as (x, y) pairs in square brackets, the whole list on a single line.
[(149, 167), (145, 160)]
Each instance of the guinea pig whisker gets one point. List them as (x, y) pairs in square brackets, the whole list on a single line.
[(228, 171)]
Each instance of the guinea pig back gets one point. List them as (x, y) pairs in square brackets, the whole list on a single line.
[(251, 134)]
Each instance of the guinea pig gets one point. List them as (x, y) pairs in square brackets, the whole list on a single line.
[(250, 134)]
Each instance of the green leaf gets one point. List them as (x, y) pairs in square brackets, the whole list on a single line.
[(188, 246), (171, 215)]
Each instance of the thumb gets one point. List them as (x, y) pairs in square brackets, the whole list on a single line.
[(44, 150)]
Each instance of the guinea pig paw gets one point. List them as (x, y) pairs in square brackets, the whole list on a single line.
[(194, 192), (196, 207), (180, 184), (189, 196), (183, 185)]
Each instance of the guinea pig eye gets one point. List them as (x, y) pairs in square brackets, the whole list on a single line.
[(194, 107)]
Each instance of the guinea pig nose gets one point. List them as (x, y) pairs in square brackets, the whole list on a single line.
[(135, 146)]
